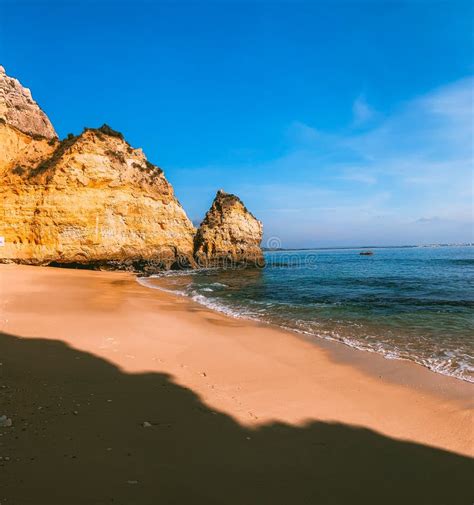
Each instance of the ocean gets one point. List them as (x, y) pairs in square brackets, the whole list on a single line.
[(404, 303)]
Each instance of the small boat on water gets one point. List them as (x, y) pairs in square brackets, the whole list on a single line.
[(366, 253)]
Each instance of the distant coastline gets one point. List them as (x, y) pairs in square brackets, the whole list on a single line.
[(348, 248)]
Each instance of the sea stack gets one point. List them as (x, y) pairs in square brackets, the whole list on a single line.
[(229, 235)]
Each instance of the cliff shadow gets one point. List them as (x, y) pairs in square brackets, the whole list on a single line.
[(78, 439)]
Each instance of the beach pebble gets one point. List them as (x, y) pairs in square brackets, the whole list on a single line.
[(146, 424), (5, 422), (75, 412)]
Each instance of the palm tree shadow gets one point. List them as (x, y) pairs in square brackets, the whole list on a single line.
[(78, 439)]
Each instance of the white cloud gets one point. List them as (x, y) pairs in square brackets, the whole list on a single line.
[(301, 133), (421, 154), (376, 185), (434, 127), (360, 176), (428, 220), (362, 111)]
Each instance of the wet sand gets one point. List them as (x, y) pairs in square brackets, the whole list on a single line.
[(239, 412)]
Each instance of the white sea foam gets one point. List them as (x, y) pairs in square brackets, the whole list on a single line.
[(451, 366), (463, 370)]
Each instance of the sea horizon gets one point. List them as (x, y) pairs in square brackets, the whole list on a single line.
[(403, 246)]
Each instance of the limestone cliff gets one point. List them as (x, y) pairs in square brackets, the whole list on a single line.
[(89, 200), (18, 148), (95, 201), (26, 134), (18, 109), (229, 234)]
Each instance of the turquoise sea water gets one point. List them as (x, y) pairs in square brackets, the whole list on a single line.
[(409, 303)]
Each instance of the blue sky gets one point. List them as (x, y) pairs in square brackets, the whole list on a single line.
[(337, 123)]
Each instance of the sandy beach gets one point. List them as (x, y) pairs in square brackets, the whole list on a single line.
[(120, 393)]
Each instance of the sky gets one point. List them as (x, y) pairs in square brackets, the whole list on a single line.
[(338, 123)]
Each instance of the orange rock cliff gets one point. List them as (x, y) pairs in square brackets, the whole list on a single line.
[(92, 200)]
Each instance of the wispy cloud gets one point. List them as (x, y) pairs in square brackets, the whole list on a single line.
[(301, 133), (376, 184), (359, 176), (435, 127), (423, 154), (428, 220), (362, 111)]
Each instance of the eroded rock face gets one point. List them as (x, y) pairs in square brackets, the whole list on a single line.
[(18, 109), (95, 201), (26, 134), (92, 200), (17, 148), (89, 200), (229, 235)]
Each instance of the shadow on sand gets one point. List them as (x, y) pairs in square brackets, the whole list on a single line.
[(102, 454)]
